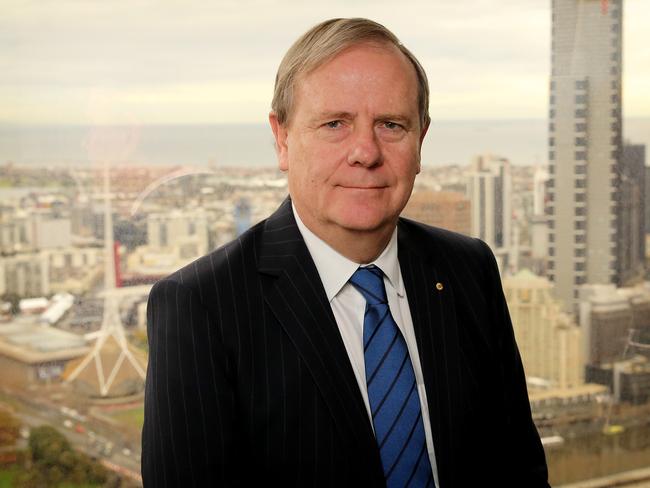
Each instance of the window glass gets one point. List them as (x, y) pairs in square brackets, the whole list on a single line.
[(134, 140)]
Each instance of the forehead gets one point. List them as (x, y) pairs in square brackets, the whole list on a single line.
[(379, 71)]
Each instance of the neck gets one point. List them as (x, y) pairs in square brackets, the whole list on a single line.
[(360, 246)]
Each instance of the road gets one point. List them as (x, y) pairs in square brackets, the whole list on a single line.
[(94, 439)]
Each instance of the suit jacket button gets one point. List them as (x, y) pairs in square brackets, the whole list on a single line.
[(439, 286)]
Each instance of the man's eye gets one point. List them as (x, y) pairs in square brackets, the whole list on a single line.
[(334, 124), (392, 125)]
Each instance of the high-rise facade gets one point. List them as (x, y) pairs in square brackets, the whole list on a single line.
[(584, 145), (631, 220), (539, 220), (489, 187), (549, 342), (647, 196)]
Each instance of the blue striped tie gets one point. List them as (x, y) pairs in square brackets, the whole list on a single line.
[(392, 390)]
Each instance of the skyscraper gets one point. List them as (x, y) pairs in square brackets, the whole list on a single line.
[(489, 187), (631, 223), (539, 221), (584, 144)]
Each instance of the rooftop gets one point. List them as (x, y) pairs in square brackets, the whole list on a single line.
[(28, 342)]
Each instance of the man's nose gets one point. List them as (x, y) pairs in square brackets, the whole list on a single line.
[(365, 149)]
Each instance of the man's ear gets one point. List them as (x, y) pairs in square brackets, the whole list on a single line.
[(423, 133), (280, 134)]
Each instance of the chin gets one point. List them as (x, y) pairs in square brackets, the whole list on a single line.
[(364, 222)]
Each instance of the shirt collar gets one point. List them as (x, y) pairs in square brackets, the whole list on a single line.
[(335, 269)]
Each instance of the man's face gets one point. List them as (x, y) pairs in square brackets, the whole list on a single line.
[(352, 144)]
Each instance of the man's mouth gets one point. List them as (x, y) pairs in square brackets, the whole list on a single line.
[(363, 187)]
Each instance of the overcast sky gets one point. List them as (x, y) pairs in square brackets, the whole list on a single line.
[(84, 61)]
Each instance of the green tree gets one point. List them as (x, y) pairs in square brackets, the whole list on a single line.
[(55, 462), (47, 444)]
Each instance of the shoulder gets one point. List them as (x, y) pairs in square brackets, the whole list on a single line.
[(467, 259), (218, 268), (430, 240)]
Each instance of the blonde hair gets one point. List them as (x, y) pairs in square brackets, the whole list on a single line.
[(323, 42)]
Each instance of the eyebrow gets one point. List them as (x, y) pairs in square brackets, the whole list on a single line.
[(350, 115), (395, 117), (334, 115)]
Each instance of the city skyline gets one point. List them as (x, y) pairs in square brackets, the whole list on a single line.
[(537, 148), (144, 63)]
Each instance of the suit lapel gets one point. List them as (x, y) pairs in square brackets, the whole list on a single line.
[(295, 295), (430, 291)]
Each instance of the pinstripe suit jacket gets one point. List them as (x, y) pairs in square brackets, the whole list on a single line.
[(249, 383)]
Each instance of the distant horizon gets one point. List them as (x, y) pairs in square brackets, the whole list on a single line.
[(451, 141)]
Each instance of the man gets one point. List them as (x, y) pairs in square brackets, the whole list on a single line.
[(335, 344)]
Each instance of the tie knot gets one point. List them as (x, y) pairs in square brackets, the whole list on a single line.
[(369, 281)]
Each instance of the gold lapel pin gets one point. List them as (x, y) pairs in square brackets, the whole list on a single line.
[(439, 286)]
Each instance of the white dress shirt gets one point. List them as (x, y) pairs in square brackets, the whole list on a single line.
[(348, 306)]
